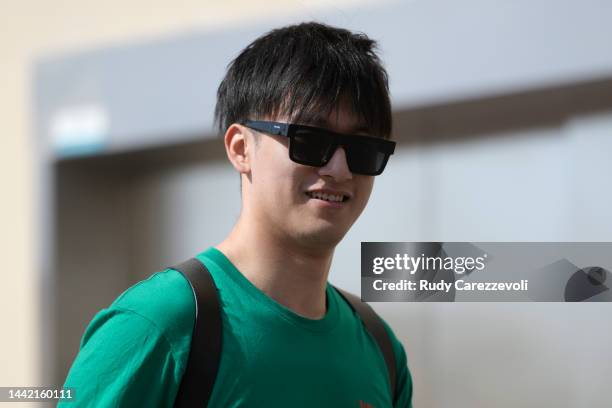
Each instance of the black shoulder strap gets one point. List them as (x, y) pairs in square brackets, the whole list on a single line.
[(375, 326), (205, 354)]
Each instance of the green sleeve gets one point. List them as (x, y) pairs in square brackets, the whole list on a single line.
[(404, 379), (124, 361)]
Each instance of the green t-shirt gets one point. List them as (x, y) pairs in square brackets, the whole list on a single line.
[(134, 353)]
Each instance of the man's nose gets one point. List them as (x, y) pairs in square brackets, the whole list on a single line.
[(337, 167)]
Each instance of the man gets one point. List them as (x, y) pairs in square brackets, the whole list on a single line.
[(305, 114)]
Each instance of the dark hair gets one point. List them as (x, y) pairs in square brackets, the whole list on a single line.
[(303, 72)]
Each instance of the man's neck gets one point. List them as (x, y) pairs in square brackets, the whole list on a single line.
[(294, 276)]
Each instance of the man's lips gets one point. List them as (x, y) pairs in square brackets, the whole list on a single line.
[(329, 195)]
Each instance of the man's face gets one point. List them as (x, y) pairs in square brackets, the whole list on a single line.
[(287, 197)]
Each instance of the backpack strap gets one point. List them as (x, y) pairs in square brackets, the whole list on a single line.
[(205, 353), (375, 326)]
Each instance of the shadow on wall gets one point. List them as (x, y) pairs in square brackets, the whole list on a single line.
[(468, 120)]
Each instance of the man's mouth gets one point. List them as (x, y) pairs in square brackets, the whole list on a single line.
[(333, 198)]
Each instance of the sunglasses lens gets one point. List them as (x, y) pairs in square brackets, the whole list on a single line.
[(365, 158), (310, 148), (313, 147)]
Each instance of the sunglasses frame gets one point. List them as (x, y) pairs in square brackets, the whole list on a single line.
[(289, 130)]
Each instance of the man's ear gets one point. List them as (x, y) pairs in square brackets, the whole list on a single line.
[(238, 146)]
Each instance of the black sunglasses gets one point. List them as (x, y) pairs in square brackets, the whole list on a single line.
[(313, 146)]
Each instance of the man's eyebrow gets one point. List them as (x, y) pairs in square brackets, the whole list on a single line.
[(317, 121), (360, 128)]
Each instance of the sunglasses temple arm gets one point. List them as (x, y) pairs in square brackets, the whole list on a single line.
[(274, 128)]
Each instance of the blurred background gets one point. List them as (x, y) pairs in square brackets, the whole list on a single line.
[(111, 171)]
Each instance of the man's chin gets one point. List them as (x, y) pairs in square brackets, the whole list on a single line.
[(323, 236)]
